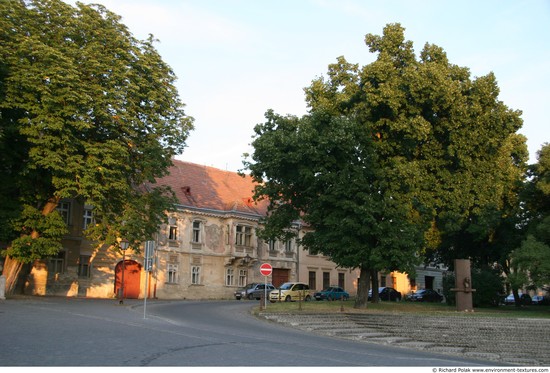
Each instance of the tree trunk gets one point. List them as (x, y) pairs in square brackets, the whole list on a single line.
[(517, 298), (375, 295), (12, 268), (362, 298)]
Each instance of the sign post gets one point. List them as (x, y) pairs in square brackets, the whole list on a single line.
[(148, 264), (265, 270)]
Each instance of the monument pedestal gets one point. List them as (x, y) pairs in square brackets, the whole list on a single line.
[(463, 286)]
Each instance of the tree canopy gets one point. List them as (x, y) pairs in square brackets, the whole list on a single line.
[(531, 259), (87, 111), (393, 159)]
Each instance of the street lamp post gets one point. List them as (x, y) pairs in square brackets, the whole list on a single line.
[(123, 245)]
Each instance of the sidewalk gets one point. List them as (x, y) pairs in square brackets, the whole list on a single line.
[(524, 342)]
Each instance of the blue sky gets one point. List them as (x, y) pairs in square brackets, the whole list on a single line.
[(235, 59)]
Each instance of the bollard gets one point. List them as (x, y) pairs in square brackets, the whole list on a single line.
[(262, 300), (2, 287)]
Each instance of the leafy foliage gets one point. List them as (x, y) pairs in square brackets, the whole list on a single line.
[(531, 259), (95, 116), (398, 156), (39, 236)]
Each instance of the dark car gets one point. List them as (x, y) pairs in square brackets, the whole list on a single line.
[(425, 295), (386, 293), (332, 293), (253, 291)]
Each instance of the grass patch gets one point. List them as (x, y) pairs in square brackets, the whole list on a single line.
[(434, 309)]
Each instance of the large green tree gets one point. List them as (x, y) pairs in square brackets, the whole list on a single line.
[(87, 111), (441, 148), (530, 261), (322, 169)]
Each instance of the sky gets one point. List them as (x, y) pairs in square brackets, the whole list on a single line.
[(236, 59)]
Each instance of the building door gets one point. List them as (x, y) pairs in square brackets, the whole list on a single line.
[(131, 278), (280, 276), (429, 282)]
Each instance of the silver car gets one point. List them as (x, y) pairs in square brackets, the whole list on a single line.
[(253, 291)]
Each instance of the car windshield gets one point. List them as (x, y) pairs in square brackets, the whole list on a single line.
[(250, 286), (286, 286)]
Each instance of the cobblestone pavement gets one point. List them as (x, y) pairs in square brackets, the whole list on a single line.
[(520, 341)]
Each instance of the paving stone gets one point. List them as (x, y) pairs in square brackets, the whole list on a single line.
[(524, 342)]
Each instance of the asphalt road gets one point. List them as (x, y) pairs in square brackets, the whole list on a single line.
[(52, 331)]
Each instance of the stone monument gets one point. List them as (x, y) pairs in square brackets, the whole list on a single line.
[(463, 286)]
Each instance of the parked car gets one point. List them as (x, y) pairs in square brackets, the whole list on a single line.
[(425, 295), (537, 299), (524, 299), (253, 291), (290, 291), (386, 293), (331, 293)]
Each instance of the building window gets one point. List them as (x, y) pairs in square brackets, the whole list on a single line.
[(271, 245), (84, 266), (64, 209), (243, 236), (57, 264), (243, 275), (326, 280), (172, 273), (196, 234), (312, 280), (229, 277), (173, 233), (288, 246), (195, 275), (342, 280), (383, 280), (87, 218)]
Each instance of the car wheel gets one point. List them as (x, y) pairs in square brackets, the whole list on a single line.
[(250, 296), (288, 299)]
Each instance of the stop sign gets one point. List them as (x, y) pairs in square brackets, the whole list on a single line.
[(265, 269)]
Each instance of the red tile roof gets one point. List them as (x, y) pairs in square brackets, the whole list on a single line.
[(211, 188)]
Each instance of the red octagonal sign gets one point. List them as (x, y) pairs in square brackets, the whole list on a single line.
[(266, 269)]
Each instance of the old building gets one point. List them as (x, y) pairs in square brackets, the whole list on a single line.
[(208, 249), (210, 246)]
